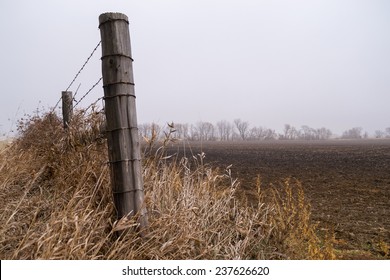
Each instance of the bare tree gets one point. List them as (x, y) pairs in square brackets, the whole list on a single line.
[(294, 133), (193, 133), (242, 128), (308, 133), (324, 133), (305, 133), (149, 130), (224, 129), (270, 134), (182, 130), (387, 132), (261, 133), (256, 133), (353, 133), (290, 133), (380, 134), (205, 130), (286, 131)]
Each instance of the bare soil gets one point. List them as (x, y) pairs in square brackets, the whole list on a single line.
[(347, 183)]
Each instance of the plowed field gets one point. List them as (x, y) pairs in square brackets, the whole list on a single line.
[(347, 183)]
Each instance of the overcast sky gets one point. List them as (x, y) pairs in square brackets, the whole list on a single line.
[(321, 63)]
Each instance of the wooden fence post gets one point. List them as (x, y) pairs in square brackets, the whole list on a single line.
[(122, 132), (67, 107)]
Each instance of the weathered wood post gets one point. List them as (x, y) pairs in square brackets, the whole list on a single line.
[(122, 132), (67, 107)]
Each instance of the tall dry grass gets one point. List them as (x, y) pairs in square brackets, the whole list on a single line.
[(56, 203)]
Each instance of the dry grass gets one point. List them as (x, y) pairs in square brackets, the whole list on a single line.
[(4, 144), (56, 203)]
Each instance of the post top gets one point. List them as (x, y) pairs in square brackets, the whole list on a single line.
[(112, 17)]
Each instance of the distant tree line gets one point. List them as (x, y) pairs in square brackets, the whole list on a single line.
[(241, 130), (357, 133), (305, 133), (382, 134)]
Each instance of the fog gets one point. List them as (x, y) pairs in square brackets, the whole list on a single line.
[(317, 63)]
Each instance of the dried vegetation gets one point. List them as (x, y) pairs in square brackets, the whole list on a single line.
[(56, 204)]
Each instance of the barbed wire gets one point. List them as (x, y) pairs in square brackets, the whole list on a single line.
[(58, 102), (88, 92), (74, 79), (82, 67), (93, 104), (77, 90)]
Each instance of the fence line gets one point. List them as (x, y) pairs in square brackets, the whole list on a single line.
[(82, 67), (77, 90), (88, 92), (124, 150), (55, 106), (74, 79), (93, 103)]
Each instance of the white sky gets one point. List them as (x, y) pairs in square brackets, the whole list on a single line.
[(268, 62)]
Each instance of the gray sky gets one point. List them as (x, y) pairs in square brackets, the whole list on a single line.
[(268, 62)]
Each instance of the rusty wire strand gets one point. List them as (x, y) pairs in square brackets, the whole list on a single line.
[(88, 92), (93, 103), (77, 90), (58, 102), (85, 63), (74, 79)]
